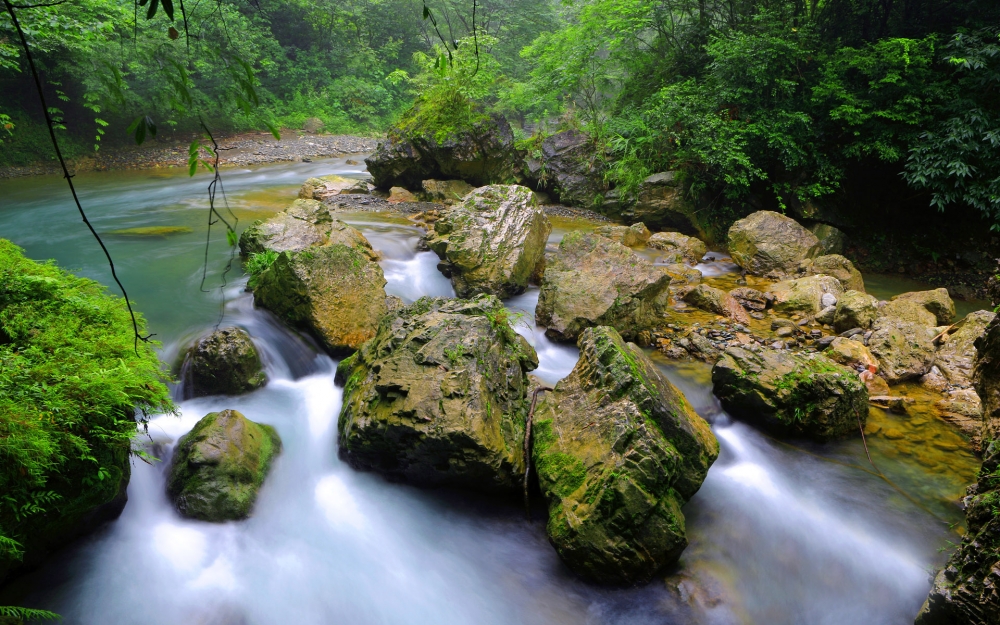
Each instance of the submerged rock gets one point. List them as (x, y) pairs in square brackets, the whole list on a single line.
[(904, 349), (718, 301), (806, 295), (593, 281), (690, 248), (618, 451), (223, 363), (966, 589), (493, 242), (855, 310), (796, 394), (768, 243), (334, 291), (219, 466), (478, 148), (955, 358), (439, 396)]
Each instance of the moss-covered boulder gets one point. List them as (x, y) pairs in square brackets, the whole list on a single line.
[(445, 137), (661, 203), (439, 396), (74, 383), (807, 295), (304, 224), (905, 349), (768, 243), (793, 394), (568, 165), (837, 266), (689, 248), (967, 589), (956, 357), (855, 310), (618, 451), (928, 308), (336, 292), (717, 301), (592, 281), (219, 466), (225, 362), (629, 236), (493, 242)]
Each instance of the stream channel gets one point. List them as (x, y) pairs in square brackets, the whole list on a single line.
[(781, 533)]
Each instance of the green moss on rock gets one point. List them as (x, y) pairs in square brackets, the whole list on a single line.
[(219, 466), (618, 450)]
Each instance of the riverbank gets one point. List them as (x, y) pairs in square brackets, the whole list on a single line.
[(236, 150)]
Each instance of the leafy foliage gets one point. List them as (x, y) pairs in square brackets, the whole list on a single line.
[(72, 388)]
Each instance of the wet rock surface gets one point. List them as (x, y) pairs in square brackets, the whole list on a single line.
[(223, 363), (593, 281), (219, 466), (618, 452), (904, 349), (493, 242), (768, 243), (797, 394), (439, 396), (568, 168)]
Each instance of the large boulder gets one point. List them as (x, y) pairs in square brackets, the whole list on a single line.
[(795, 394), (717, 301), (807, 295), (986, 379), (493, 242), (851, 353), (837, 266), (928, 308), (593, 281), (224, 362), (905, 349), (334, 291), (304, 224), (445, 191), (689, 248), (618, 451), (439, 396), (955, 358), (435, 142), (831, 239), (855, 310), (568, 166), (219, 466), (768, 243), (966, 589), (630, 236), (661, 203)]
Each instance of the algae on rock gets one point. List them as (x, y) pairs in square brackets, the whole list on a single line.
[(439, 396), (225, 362), (493, 242), (219, 466), (594, 281), (618, 451), (797, 394)]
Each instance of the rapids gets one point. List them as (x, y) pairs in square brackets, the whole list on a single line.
[(782, 533)]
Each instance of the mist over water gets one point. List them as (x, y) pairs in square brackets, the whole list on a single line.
[(780, 534)]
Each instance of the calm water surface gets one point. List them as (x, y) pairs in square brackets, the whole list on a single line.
[(781, 533)]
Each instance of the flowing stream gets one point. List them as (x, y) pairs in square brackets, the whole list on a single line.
[(782, 533)]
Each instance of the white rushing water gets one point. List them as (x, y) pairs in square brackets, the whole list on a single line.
[(778, 536)]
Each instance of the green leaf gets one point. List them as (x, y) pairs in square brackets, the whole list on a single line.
[(231, 237), (274, 130), (168, 8), (151, 11)]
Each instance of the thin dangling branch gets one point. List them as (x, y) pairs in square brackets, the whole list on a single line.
[(527, 447), (69, 178), (214, 217)]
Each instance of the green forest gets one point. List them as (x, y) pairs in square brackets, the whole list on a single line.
[(759, 104)]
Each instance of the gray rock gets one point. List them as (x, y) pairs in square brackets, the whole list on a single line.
[(855, 310), (831, 239), (956, 356), (661, 203), (225, 362), (568, 166), (804, 295), (690, 248), (494, 241), (770, 243), (904, 348)]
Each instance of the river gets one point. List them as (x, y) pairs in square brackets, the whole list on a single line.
[(782, 533)]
